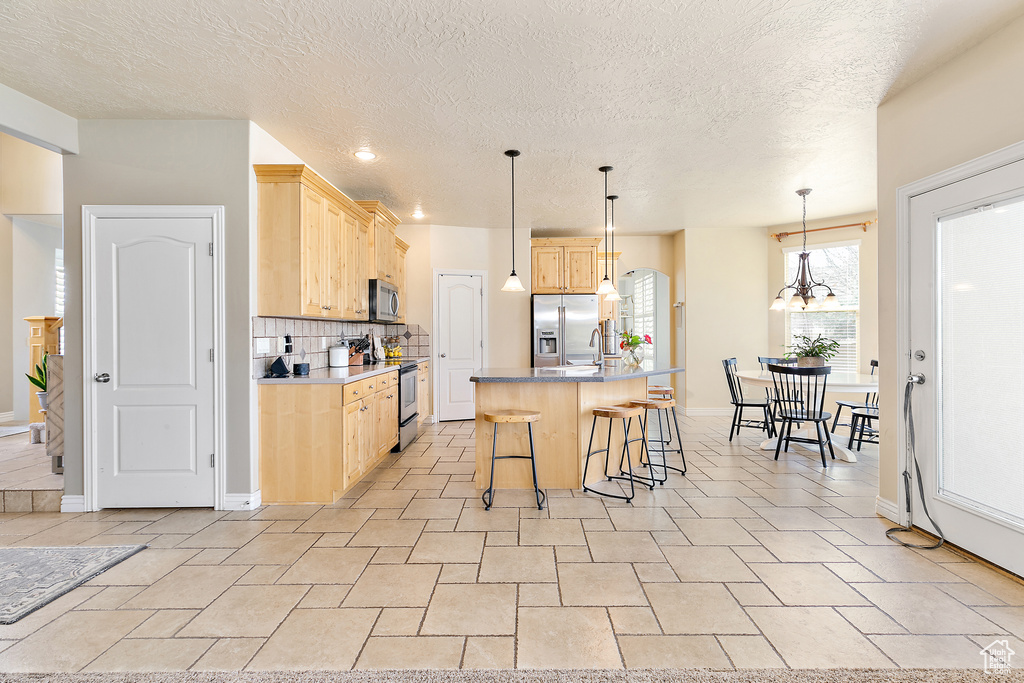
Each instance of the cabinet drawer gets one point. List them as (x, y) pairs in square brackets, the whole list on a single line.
[(357, 390), (383, 381)]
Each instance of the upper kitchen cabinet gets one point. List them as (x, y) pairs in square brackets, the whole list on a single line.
[(313, 246), (564, 265), (383, 259), (400, 249)]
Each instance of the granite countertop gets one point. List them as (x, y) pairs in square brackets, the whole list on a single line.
[(582, 373), (352, 373)]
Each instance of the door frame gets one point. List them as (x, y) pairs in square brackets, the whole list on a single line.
[(983, 164), (435, 394), (90, 214)]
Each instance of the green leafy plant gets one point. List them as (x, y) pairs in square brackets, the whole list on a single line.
[(818, 347), (632, 341), (39, 377)]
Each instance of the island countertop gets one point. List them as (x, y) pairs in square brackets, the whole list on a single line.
[(582, 373)]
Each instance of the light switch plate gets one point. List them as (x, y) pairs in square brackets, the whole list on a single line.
[(262, 345), (280, 345)]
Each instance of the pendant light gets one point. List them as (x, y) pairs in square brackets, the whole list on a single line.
[(513, 284), (613, 295), (804, 284), (606, 286)]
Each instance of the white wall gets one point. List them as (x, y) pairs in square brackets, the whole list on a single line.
[(164, 162), (966, 108), (726, 310), (34, 250)]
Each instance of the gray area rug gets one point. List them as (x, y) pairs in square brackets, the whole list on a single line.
[(11, 430), (32, 577), (541, 676)]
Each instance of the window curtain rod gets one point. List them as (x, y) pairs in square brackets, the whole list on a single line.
[(783, 235)]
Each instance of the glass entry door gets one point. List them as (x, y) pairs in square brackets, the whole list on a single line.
[(967, 337)]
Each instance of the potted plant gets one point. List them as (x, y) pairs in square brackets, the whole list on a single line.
[(39, 380), (633, 347), (813, 352)]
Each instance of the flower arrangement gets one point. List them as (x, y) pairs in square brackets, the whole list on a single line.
[(632, 346)]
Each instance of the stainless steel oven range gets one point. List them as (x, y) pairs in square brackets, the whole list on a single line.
[(407, 409)]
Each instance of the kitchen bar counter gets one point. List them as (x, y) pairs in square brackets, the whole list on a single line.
[(578, 373), (565, 400), (352, 373)]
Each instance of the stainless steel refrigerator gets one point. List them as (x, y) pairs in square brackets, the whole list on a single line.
[(562, 325)]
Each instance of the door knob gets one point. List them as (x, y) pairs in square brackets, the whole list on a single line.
[(443, 356), (102, 377)]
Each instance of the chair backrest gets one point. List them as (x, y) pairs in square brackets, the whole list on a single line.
[(871, 398), (800, 391), (735, 390), (765, 361)]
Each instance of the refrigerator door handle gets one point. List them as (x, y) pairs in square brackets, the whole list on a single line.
[(561, 335)]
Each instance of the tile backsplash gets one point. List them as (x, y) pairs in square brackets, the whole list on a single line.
[(311, 338)]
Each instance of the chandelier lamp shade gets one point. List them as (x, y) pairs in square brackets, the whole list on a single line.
[(612, 295), (806, 290), (606, 287), (513, 283)]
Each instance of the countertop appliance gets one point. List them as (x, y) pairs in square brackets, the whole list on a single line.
[(383, 302), (337, 356), (562, 325), (407, 408)]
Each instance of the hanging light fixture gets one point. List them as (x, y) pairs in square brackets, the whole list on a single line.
[(613, 295), (804, 284), (513, 284), (606, 286)]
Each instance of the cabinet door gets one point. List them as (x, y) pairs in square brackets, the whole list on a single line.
[(334, 261), (400, 284), (581, 270), (368, 437), (312, 253), (354, 279), (355, 425), (383, 245), (547, 269), (422, 395)]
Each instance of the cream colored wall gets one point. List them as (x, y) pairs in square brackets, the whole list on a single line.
[(968, 107), (679, 319), (868, 276), (30, 184), (726, 309)]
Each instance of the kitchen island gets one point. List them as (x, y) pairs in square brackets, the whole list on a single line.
[(565, 399)]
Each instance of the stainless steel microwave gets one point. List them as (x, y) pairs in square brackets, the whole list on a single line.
[(384, 303)]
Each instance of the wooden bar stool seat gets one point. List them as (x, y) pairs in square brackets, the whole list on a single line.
[(626, 413), (515, 416), (658, 390), (655, 403), (668, 406), (527, 417)]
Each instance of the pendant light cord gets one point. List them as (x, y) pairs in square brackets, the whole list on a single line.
[(804, 222), (606, 225), (514, 213)]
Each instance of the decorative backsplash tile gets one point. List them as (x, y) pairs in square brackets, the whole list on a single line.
[(311, 339)]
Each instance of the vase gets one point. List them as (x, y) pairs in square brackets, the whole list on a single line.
[(634, 356), (41, 395), (810, 362)]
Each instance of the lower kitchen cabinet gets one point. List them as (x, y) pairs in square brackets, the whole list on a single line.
[(318, 440), (423, 391)]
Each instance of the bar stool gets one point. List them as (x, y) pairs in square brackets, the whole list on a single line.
[(657, 391), (660, 405), (512, 417), (626, 413)]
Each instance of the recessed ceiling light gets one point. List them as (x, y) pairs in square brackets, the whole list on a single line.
[(417, 214), (365, 155)]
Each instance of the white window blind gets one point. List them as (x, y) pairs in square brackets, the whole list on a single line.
[(838, 266), (58, 304), (643, 314)]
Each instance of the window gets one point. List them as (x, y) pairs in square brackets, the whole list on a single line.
[(58, 304), (838, 266), (643, 314)]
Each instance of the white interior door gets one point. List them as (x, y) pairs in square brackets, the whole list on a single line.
[(459, 343), (150, 359), (967, 317)]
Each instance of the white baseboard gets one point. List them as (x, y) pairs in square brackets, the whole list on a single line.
[(887, 509), (243, 501), (707, 412), (7, 417), (72, 503)]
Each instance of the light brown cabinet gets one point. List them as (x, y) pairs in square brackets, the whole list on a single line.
[(310, 238), (423, 392), (317, 440), (564, 266), (400, 250), (382, 258)]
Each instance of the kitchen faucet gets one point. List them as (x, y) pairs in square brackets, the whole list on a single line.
[(600, 351)]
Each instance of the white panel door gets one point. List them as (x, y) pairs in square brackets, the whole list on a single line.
[(967, 331), (153, 386), (459, 344)]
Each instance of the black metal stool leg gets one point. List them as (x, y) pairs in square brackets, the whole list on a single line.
[(590, 444), (533, 462), (679, 439), (488, 496), (606, 451), (644, 448)]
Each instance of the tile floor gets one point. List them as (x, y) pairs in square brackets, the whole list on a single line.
[(26, 480), (746, 562)]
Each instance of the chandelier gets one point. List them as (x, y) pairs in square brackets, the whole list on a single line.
[(804, 284)]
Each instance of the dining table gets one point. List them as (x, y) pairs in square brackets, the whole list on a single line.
[(838, 383)]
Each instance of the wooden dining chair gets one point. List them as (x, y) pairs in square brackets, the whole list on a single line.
[(739, 403), (764, 362), (801, 397), (870, 402)]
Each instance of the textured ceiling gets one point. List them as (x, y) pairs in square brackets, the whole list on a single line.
[(713, 112)]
